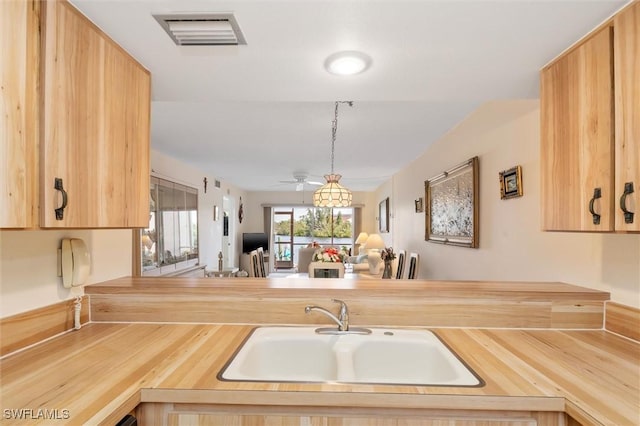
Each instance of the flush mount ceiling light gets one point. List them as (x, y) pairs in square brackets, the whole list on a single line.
[(348, 62), (332, 194)]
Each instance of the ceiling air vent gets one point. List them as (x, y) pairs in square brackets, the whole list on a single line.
[(210, 29)]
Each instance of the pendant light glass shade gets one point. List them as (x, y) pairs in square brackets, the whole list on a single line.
[(332, 194)]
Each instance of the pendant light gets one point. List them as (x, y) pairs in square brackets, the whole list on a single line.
[(332, 194)]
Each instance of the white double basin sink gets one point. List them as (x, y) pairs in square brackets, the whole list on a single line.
[(386, 356)]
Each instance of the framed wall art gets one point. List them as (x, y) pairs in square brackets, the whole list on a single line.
[(452, 206), (511, 183), (383, 215)]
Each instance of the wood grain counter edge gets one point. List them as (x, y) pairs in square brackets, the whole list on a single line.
[(542, 370), (297, 287), (374, 302), (355, 399)]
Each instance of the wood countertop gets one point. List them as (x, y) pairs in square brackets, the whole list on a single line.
[(104, 370), (418, 303), (293, 287)]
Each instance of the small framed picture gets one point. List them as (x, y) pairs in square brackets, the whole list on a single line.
[(511, 183), (419, 206)]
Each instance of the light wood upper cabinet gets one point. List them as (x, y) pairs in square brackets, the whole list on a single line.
[(590, 131), (95, 126), (75, 108), (576, 97), (19, 47), (627, 115)]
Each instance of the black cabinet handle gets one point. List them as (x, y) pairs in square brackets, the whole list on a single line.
[(60, 210), (628, 215), (597, 193)]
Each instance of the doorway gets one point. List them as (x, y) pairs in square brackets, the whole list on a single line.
[(283, 242), (228, 232)]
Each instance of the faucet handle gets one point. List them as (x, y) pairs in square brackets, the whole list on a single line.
[(344, 313)]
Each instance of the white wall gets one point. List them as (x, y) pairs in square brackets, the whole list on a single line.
[(28, 259), (512, 247), (28, 265)]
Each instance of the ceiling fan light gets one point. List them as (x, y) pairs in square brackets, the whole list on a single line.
[(347, 63)]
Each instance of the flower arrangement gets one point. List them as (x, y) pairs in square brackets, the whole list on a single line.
[(387, 254), (328, 254)]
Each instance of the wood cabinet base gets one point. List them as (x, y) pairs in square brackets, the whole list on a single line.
[(240, 415)]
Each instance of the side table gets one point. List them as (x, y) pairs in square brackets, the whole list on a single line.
[(226, 272), (326, 270)]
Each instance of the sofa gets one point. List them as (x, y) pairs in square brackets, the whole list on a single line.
[(358, 263), (305, 255)]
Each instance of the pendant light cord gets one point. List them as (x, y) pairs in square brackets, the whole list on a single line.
[(334, 129)]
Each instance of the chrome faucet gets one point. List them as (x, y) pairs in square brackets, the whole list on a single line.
[(342, 320)]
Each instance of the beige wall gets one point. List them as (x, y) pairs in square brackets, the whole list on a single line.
[(209, 231), (28, 265), (512, 247), (256, 201), (385, 190), (28, 259)]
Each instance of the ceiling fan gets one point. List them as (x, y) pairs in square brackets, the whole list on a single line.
[(300, 179)]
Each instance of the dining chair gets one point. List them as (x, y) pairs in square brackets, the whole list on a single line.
[(254, 268), (263, 273), (414, 260), (400, 258)]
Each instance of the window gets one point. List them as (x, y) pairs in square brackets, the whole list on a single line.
[(326, 226), (170, 243)]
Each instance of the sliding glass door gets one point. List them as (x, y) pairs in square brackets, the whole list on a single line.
[(296, 227), (283, 239)]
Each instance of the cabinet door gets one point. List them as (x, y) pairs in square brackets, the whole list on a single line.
[(200, 419), (576, 101), (96, 127), (627, 108), (19, 49)]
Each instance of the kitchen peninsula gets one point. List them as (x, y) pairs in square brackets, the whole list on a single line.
[(554, 358)]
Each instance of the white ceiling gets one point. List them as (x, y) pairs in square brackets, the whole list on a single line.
[(252, 115)]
